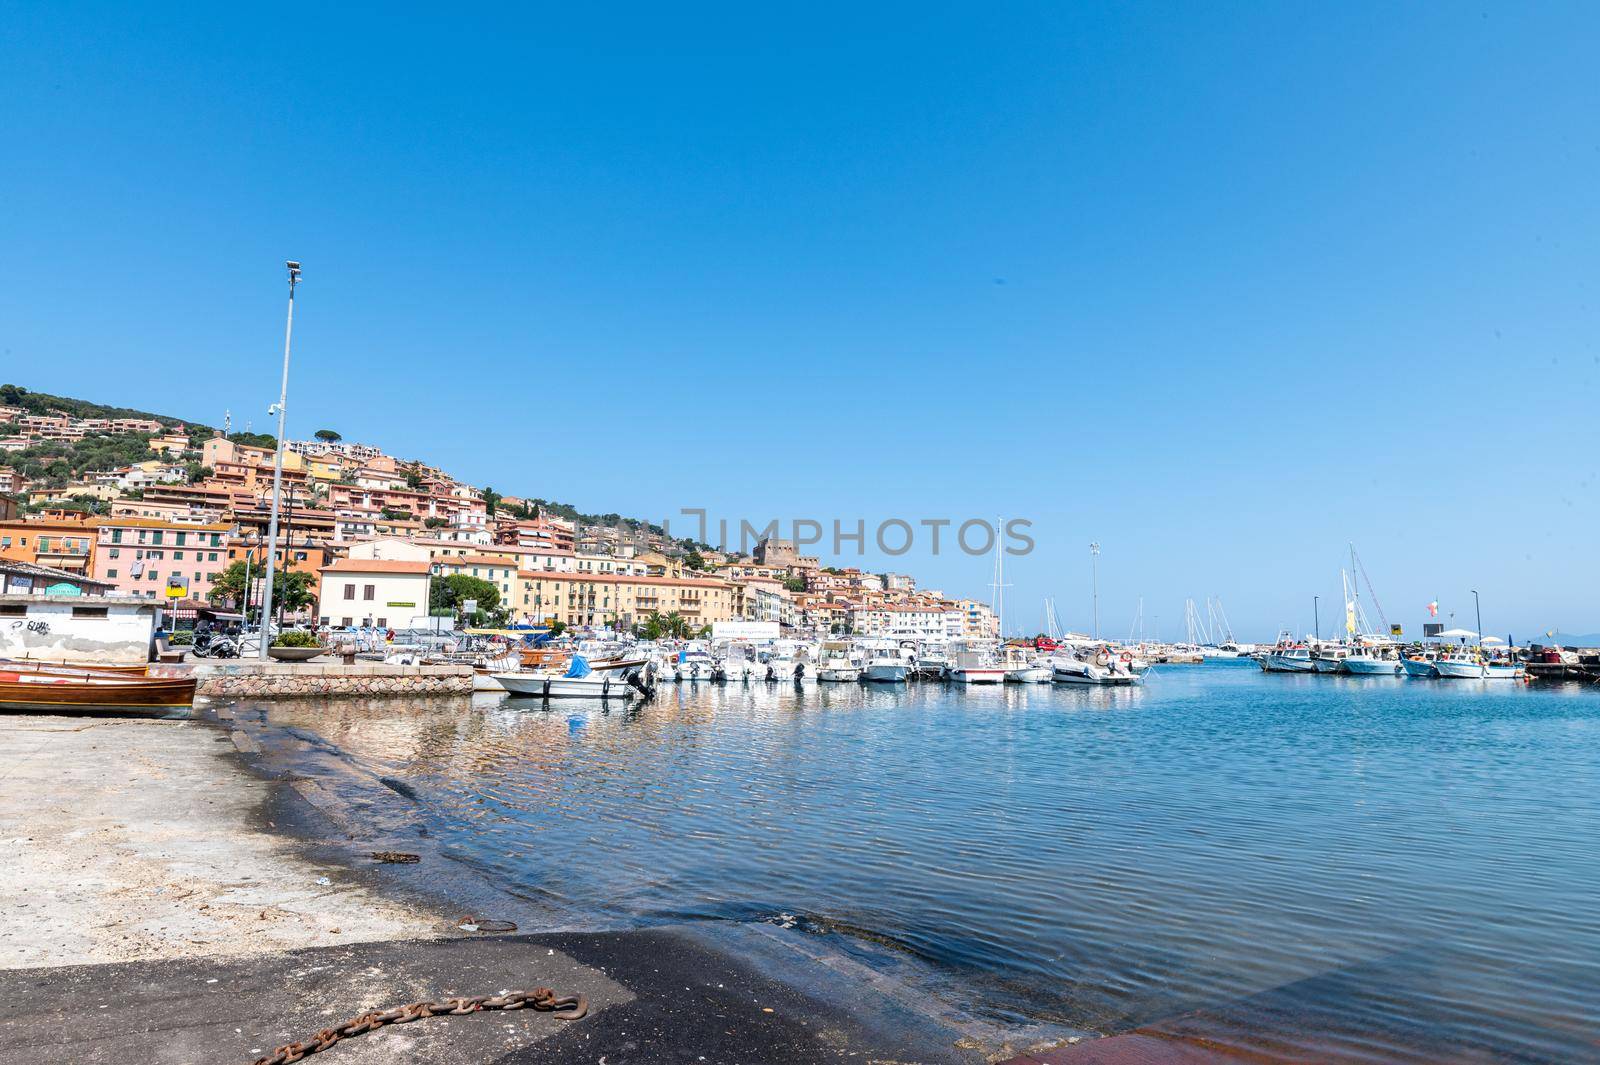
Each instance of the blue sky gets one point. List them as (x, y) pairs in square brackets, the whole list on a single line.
[(1221, 287)]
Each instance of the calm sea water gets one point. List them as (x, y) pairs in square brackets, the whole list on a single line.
[(1404, 861)]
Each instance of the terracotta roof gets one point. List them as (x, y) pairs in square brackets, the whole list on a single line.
[(375, 565), (619, 578), (473, 560)]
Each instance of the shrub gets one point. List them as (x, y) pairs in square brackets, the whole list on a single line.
[(296, 638)]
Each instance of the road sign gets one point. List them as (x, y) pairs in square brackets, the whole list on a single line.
[(177, 587)]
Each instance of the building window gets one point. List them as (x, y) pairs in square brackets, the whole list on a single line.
[(177, 556), (111, 573), (115, 552), (116, 536), (349, 593), (345, 622), (89, 611), (369, 592)]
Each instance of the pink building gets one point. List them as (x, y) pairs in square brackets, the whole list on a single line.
[(139, 556)]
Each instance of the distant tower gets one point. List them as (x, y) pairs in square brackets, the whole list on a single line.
[(227, 422)]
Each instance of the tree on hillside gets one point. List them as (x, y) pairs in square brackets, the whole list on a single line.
[(695, 560), (197, 473), (327, 436), (413, 479), (491, 499), (795, 584), (266, 440)]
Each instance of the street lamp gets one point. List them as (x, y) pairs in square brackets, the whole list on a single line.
[(1316, 615), (281, 409), (1094, 566)]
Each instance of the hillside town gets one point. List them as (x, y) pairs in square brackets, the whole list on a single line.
[(367, 539)]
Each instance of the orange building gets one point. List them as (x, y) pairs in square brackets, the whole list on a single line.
[(63, 541)]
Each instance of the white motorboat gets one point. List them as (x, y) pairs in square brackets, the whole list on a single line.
[(885, 662), (1104, 668), (976, 667), (693, 664), (835, 664), (1031, 673), (607, 684)]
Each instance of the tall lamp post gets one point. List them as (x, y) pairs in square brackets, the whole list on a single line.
[(1094, 568), (281, 409), (1316, 615)]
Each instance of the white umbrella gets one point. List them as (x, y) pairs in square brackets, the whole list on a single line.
[(1492, 639), (1457, 634)]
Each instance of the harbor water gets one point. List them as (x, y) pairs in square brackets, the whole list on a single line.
[(1406, 861)]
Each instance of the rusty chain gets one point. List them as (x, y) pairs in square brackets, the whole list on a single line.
[(566, 1008)]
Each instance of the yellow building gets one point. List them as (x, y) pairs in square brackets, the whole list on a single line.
[(620, 599)]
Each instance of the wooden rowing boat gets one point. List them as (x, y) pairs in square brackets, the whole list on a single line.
[(43, 692), (74, 669)]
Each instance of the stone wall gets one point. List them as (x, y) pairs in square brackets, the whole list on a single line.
[(284, 680)]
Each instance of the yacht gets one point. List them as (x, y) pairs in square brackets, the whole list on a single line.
[(1103, 667)]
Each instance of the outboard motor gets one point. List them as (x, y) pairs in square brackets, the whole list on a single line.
[(642, 684), (799, 672), (772, 674)]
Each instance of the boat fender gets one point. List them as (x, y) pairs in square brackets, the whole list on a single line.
[(547, 687), (605, 686)]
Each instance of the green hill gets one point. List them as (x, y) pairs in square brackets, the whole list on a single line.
[(44, 403)]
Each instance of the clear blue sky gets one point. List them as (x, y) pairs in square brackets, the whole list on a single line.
[(1221, 287)]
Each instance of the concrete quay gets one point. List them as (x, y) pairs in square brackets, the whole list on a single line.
[(238, 679)]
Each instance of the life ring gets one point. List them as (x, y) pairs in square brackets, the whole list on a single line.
[(1125, 657)]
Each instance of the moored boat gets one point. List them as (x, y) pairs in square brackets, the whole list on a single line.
[(606, 685), (77, 692), (1420, 664), (1288, 655)]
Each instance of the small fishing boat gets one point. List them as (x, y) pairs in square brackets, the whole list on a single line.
[(1371, 660), (1420, 664), (70, 690), (1288, 655)]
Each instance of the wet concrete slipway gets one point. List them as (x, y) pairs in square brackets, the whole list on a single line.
[(176, 892)]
